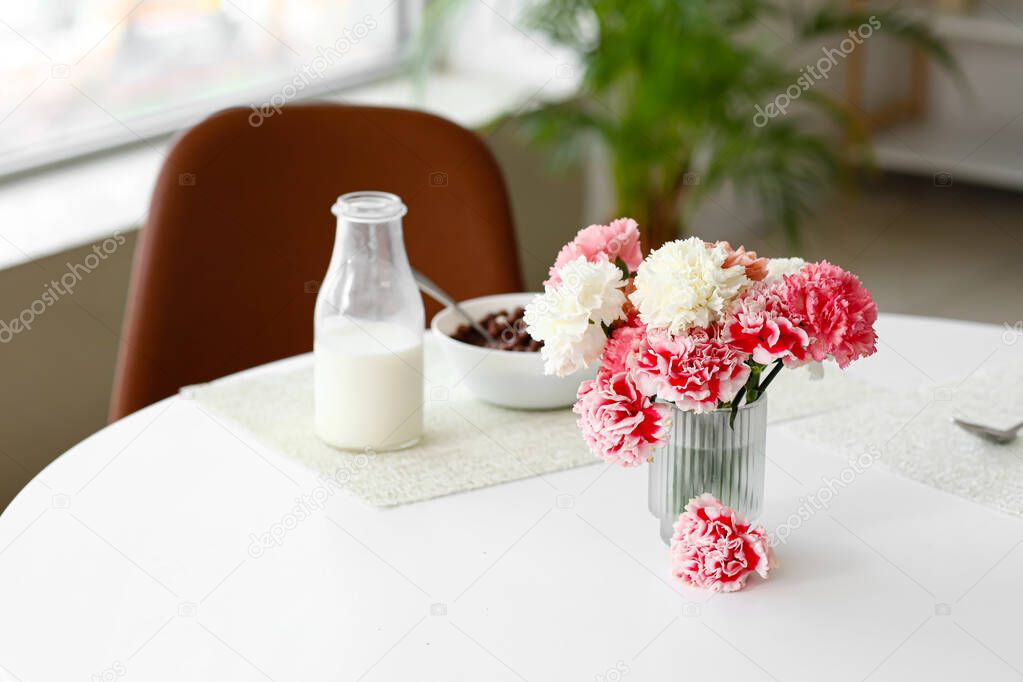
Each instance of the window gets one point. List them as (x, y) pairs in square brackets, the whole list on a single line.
[(88, 75)]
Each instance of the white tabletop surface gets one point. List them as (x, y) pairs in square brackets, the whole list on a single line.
[(132, 556)]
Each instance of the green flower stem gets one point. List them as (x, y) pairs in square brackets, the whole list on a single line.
[(771, 375), (753, 383), (749, 390), (735, 410)]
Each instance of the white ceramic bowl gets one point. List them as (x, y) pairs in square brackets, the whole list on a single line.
[(503, 377)]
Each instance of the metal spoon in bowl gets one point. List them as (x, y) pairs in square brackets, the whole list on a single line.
[(430, 288), (1000, 436)]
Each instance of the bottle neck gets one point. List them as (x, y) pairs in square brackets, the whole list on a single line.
[(369, 243), (369, 276)]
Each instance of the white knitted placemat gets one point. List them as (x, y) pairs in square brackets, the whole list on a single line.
[(466, 443), (914, 435), (797, 393)]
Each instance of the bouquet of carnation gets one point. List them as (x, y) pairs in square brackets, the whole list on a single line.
[(697, 325)]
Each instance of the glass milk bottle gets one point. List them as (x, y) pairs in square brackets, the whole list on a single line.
[(369, 321)]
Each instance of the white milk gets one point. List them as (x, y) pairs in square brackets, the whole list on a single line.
[(369, 385)]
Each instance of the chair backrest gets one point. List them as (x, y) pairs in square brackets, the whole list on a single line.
[(239, 233)]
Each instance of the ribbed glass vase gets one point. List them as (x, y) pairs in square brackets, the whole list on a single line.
[(703, 454)]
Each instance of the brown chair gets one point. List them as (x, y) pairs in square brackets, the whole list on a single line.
[(240, 231)]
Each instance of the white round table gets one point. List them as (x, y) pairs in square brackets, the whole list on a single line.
[(136, 554)]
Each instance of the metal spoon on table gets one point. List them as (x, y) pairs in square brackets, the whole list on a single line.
[(430, 288), (1000, 436)]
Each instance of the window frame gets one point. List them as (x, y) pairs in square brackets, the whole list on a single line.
[(145, 130)]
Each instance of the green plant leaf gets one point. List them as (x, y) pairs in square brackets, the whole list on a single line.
[(670, 88)]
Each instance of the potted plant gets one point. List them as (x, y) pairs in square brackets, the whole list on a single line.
[(687, 97)]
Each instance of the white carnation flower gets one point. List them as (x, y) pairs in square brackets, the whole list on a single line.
[(683, 285), (568, 317), (564, 355), (778, 267), (597, 287)]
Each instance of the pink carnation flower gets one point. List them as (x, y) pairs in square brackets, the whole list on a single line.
[(696, 370), (762, 325), (756, 268), (624, 341), (620, 239), (620, 424), (835, 310), (715, 549)]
